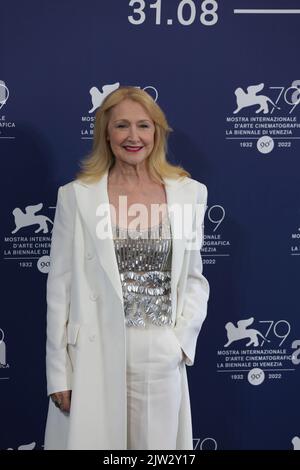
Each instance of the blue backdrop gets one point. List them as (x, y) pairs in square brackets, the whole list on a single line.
[(228, 80)]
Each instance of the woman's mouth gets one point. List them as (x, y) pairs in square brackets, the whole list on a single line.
[(132, 148)]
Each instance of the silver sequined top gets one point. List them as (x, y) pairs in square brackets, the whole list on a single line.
[(144, 261)]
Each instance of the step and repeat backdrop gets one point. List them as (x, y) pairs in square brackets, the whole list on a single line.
[(226, 72)]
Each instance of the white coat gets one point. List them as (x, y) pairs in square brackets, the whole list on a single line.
[(86, 349)]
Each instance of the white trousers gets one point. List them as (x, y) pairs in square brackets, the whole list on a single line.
[(153, 387)]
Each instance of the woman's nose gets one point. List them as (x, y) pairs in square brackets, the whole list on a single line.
[(133, 134)]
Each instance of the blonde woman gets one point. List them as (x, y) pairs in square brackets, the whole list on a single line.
[(125, 293)]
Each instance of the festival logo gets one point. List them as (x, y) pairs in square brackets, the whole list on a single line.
[(216, 244), (296, 352), (257, 350), (3, 363), (206, 443), (29, 217), (29, 446), (7, 126), (29, 240), (97, 96), (296, 443), (241, 331), (251, 98), (264, 117), (4, 94), (295, 243)]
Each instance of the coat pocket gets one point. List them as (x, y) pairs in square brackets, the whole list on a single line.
[(72, 333)]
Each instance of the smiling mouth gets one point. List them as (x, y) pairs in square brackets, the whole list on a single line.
[(131, 148)]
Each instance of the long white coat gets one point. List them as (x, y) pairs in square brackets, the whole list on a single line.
[(86, 349)]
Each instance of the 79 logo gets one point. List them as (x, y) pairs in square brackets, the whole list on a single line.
[(216, 215), (290, 95)]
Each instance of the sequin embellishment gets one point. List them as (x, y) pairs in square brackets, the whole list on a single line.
[(144, 261)]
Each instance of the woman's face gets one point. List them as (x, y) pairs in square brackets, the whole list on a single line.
[(130, 132)]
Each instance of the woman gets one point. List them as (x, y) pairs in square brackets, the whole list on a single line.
[(126, 295)]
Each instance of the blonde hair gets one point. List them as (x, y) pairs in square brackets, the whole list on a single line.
[(101, 158)]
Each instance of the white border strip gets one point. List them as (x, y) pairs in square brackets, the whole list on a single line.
[(269, 11)]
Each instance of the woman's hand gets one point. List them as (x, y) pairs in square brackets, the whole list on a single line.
[(62, 400)]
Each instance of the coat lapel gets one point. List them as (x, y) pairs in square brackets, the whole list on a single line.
[(91, 196)]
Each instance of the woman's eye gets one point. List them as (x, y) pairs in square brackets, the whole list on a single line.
[(141, 126)]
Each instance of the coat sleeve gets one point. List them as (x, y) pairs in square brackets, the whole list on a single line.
[(58, 365), (196, 292)]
